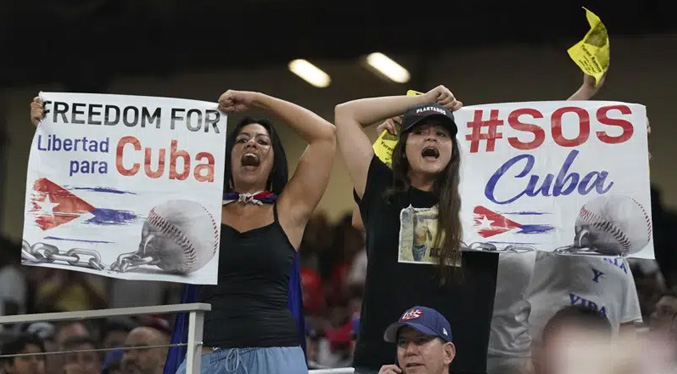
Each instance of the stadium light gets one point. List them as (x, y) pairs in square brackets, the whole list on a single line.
[(310, 73), (389, 68)]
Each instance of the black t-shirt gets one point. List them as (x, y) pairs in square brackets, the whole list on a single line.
[(401, 274)]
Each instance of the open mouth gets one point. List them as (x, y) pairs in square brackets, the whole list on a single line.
[(250, 159), (430, 153), (413, 365)]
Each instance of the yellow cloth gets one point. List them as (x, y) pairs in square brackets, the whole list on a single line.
[(386, 142), (592, 53)]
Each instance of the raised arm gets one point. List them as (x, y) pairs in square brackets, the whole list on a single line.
[(588, 89), (309, 182), (351, 117)]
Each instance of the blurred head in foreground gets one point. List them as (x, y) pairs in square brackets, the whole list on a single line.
[(573, 330)]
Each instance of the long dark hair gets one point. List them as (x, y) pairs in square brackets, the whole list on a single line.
[(279, 174), (449, 230)]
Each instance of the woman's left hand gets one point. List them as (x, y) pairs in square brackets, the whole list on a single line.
[(236, 101)]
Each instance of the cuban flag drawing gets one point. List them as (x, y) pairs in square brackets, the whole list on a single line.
[(53, 205), (490, 224), (496, 230)]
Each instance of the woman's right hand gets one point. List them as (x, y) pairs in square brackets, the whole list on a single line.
[(37, 111), (391, 125), (442, 96), (233, 101)]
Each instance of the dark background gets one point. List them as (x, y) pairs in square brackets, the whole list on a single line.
[(97, 40)]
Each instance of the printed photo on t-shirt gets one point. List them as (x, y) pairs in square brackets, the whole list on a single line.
[(418, 233)]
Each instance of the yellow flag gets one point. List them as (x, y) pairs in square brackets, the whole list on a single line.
[(386, 142), (592, 53)]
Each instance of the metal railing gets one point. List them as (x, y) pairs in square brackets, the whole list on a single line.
[(196, 312)]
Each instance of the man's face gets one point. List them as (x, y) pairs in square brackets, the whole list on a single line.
[(27, 364), (143, 360), (82, 362), (666, 308), (418, 353)]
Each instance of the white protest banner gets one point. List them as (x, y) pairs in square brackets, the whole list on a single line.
[(565, 176), (126, 187)]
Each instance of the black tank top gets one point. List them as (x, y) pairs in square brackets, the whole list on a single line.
[(249, 303)]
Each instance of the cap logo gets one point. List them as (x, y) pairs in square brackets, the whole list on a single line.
[(444, 331), (430, 109), (412, 314)]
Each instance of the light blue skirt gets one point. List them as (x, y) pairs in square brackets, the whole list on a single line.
[(284, 360)]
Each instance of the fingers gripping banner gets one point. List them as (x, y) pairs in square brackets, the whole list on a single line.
[(126, 187)]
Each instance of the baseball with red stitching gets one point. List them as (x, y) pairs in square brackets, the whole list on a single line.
[(180, 235), (614, 225)]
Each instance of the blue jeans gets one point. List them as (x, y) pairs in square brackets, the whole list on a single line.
[(287, 360)]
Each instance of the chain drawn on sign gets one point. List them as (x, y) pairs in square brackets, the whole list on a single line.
[(41, 253), (490, 247), (48, 253)]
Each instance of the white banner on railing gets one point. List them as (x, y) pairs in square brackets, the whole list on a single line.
[(126, 187)]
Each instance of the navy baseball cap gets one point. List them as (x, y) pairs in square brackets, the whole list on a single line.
[(426, 320), (415, 115)]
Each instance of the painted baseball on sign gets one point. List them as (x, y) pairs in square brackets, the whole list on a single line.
[(181, 235), (613, 226)]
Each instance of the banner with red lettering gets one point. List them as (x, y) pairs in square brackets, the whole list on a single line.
[(570, 177), (126, 187)]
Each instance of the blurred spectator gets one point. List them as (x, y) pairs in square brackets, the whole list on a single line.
[(664, 225), (43, 330), (664, 312), (81, 362), (157, 322), (23, 344), (54, 364), (68, 330), (312, 356), (67, 291), (114, 332), (348, 241), (315, 242), (313, 295), (358, 268), (145, 360), (13, 284), (649, 283), (132, 293), (576, 327), (113, 362)]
